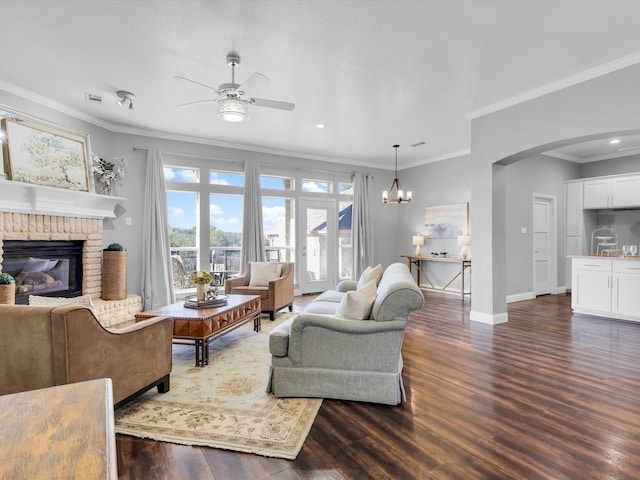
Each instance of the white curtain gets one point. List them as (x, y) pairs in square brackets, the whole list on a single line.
[(157, 287), (361, 224), (252, 249)]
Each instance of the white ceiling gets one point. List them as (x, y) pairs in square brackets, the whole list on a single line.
[(375, 72)]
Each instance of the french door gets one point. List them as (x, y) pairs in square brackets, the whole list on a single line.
[(318, 238)]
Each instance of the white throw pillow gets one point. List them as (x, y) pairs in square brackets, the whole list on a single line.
[(369, 289), (354, 306), (370, 273), (84, 300), (262, 273)]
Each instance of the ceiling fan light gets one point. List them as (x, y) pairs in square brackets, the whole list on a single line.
[(232, 110)]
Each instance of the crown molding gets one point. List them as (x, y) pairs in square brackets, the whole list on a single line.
[(569, 81)]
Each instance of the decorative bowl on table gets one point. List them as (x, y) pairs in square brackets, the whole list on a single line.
[(212, 299)]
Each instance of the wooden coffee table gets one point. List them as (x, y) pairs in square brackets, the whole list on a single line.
[(200, 326)]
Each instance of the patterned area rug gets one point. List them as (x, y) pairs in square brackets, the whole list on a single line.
[(224, 405)]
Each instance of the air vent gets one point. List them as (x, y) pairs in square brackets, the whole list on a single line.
[(93, 98), (418, 144)]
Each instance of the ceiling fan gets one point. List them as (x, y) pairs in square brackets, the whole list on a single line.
[(233, 104)]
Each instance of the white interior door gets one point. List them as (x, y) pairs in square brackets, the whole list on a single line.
[(317, 259), (542, 245)]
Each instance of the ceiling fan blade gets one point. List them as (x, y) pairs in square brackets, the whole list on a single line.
[(252, 77), (198, 101), (197, 83), (261, 102)]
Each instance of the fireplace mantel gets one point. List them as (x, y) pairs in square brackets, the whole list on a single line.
[(19, 197)]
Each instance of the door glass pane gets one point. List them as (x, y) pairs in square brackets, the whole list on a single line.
[(225, 232), (279, 228), (182, 209), (316, 244), (345, 250)]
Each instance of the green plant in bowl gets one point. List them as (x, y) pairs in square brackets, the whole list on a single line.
[(115, 247), (6, 279)]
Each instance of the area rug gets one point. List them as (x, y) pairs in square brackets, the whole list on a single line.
[(224, 404)]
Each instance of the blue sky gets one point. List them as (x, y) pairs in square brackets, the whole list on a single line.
[(226, 210)]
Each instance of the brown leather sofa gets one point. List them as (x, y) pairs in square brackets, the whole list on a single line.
[(48, 346), (276, 296)]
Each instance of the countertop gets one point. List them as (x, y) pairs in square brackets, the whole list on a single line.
[(608, 257)]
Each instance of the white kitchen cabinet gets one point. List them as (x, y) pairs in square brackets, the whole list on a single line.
[(626, 286), (591, 280), (607, 288), (612, 192), (625, 192), (575, 242), (574, 209), (573, 246)]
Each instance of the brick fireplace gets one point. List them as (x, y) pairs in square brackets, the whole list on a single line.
[(32, 212), (23, 226)]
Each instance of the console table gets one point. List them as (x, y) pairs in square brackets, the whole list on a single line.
[(421, 263)]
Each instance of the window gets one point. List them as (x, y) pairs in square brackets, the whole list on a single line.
[(278, 219), (225, 232), (276, 183), (226, 178), (320, 186), (182, 210), (345, 188), (182, 175)]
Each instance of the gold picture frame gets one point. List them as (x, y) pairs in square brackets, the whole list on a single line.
[(46, 155)]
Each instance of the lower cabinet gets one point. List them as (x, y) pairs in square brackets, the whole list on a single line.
[(608, 288)]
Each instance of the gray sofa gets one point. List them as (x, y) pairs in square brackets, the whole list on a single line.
[(319, 354)]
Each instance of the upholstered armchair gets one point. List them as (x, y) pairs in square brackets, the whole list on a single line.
[(275, 290), (45, 346)]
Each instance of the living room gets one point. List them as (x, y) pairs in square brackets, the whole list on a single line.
[(500, 168)]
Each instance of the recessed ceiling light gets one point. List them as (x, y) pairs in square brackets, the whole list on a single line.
[(320, 125), (614, 141)]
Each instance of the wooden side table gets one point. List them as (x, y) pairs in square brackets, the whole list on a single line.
[(59, 432)]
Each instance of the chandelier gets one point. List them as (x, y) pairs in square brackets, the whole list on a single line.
[(395, 193)]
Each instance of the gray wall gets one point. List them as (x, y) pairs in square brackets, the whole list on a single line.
[(612, 166), (541, 175), (595, 108)]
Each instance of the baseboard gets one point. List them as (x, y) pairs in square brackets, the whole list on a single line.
[(489, 319), (519, 297)]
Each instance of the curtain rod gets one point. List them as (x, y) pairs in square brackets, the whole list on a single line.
[(270, 165), (188, 155)]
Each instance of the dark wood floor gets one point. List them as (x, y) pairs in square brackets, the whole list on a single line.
[(548, 395)]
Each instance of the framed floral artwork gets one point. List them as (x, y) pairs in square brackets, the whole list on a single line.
[(46, 155)]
